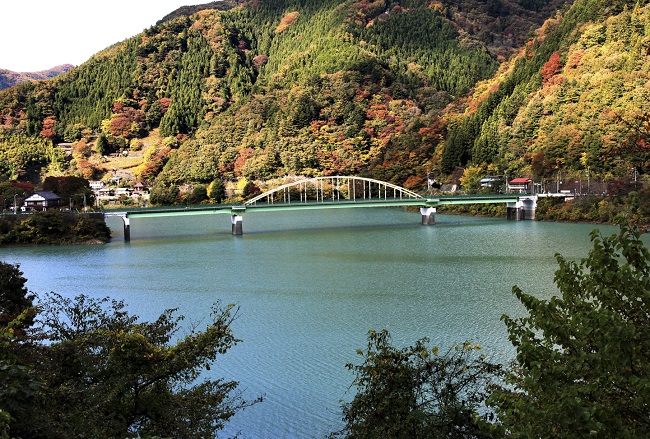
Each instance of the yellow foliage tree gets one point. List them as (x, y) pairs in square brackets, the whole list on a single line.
[(471, 178)]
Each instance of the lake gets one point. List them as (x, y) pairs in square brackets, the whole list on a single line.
[(310, 285)]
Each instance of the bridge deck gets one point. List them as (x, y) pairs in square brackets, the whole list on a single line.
[(312, 205)]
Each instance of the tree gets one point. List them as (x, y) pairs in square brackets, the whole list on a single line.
[(416, 392), (49, 128), (199, 194), (105, 374), (17, 384), (471, 179), (217, 190), (164, 195), (552, 67), (14, 296), (582, 364), (140, 383), (102, 144)]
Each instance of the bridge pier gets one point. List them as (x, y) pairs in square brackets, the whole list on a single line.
[(524, 209), (428, 215), (237, 221), (127, 229), (515, 213)]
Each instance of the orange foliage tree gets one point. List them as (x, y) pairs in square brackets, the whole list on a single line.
[(48, 130)]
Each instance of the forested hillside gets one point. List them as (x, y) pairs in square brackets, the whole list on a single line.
[(389, 89), (575, 102)]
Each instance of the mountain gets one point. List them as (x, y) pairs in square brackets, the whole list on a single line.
[(575, 102), (9, 78), (389, 89)]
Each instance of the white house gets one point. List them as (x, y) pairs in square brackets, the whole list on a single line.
[(42, 200), (96, 185)]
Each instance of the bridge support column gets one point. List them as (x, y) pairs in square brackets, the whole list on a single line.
[(237, 221), (515, 213), (428, 215), (524, 209), (127, 229)]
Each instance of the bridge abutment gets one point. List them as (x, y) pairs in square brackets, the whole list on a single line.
[(428, 215)]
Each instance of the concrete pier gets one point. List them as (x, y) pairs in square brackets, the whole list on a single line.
[(237, 222), (515, 213), (127, 229), (428, 215), (524, 209)]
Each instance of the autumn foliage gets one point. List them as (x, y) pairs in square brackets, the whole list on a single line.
[(286, 21)]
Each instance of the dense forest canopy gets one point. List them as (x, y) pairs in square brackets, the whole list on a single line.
[(390, 89), (574, 101)]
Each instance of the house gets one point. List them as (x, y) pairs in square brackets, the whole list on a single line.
[(96, 185), (123, 191), (66, 147), (492, 181), (42, 200), (140, 188), (106, 192), (521, 185)]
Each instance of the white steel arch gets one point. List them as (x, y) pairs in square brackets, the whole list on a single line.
[(336, 183)]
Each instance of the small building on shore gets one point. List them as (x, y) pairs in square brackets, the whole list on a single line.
[(521, 185), (96, 185), (42, 200), (140, 188), (491, 182)]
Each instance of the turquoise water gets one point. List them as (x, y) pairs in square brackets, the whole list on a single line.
[(310, 285)]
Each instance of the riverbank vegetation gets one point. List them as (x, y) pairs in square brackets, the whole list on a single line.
[(597, 209), (53, 227), (581, 367), (488, 210), (82, 366)]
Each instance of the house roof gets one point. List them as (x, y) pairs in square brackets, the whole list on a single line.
[(46, 195), (520, 181), (491, 179)]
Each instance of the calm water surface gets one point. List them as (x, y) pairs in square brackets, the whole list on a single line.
[(310, 285)]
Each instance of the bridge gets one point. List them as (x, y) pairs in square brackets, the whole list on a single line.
[(332, 192)]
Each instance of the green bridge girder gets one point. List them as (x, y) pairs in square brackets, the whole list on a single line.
[(240, 209), (428, 208)]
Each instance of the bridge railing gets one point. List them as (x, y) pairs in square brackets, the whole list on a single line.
[(332, 189)]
